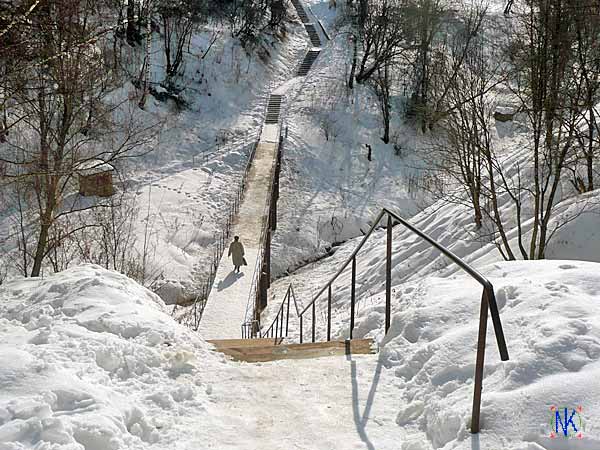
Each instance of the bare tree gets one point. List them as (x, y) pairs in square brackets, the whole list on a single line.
[(426, 21), (63, 101), (382, 36), (178, 22), (383, 88)]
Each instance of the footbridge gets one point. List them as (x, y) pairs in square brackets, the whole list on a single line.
[(235, 297)]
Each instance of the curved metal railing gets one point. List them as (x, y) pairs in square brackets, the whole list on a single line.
[(488, 301)]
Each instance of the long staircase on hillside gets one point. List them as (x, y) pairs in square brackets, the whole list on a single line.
[(233, 296), (240, 299), (301, 12), (273, 109), (313, 35), (307, 62)]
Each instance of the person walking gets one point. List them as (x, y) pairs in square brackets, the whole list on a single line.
[(236, 251)]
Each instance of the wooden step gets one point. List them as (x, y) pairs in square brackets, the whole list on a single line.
[(262, 350), (225, 343), (307, 62), (312, 35)]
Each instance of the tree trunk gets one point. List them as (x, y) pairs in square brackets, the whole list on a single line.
[(41, 248), (354, 61), (131, 29)]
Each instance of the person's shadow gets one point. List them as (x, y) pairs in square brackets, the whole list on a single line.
[(360, 420), (231, 278)]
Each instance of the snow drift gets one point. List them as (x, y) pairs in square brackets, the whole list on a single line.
[(91, 360), (550, 312)]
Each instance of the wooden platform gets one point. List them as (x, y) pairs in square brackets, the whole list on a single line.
[(260, 350)]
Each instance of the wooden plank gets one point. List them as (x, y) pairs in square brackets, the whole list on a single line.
[(235, 343), (270, 352)]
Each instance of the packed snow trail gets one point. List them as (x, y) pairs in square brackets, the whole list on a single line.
[(226, 306), (336, 402)]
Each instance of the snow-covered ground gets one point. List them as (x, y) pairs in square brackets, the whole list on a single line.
[(91, 360), (188, 184), (197, 154)]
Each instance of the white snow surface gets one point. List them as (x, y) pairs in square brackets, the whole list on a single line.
[(91, 360), (549, 311)]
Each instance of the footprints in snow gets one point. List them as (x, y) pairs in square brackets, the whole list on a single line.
[(189, 195)]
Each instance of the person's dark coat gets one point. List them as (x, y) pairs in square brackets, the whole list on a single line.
[(236, 251)]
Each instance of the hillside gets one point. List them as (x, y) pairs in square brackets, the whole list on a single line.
[(475, 122)]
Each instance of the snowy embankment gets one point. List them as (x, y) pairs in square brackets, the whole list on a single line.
[(186, 187), (329, 189), (91, 360), (550, 312)]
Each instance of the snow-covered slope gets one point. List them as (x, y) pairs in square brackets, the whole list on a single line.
[(329, 188), (91, 360), (550, 311)]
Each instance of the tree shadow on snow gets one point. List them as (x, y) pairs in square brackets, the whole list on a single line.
[(361, 420), (231, 278)]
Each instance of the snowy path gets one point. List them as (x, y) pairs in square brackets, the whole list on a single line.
[(226, 306), (324, 403)]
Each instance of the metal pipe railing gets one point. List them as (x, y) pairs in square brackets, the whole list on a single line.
[(488, 301)]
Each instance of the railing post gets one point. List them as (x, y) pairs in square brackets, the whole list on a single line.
[(287, 320), (313, 321), (263, 287), (329, 313), (281, 324), (301, 328), (352, 296), (388, 275), (268, 260), (276, 325), (483, 316)]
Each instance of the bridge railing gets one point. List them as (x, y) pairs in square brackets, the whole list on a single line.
[(488, 302), (193, 315), (261, 274)]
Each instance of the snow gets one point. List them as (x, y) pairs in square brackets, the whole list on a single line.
[(550, 314), (228, 304), (91, 360), (94, 166)]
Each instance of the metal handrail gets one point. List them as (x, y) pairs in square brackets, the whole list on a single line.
[(488, 300), (356, 250), (278, 331), (193, 317), (263, 233), (487, 285)]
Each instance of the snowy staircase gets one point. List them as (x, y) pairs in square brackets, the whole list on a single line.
[(307, 63), (273, 109), (301, 12), (261, 350), (310, 28), (312, 35)]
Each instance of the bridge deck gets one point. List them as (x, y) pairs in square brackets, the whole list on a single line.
[(225, 309)]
